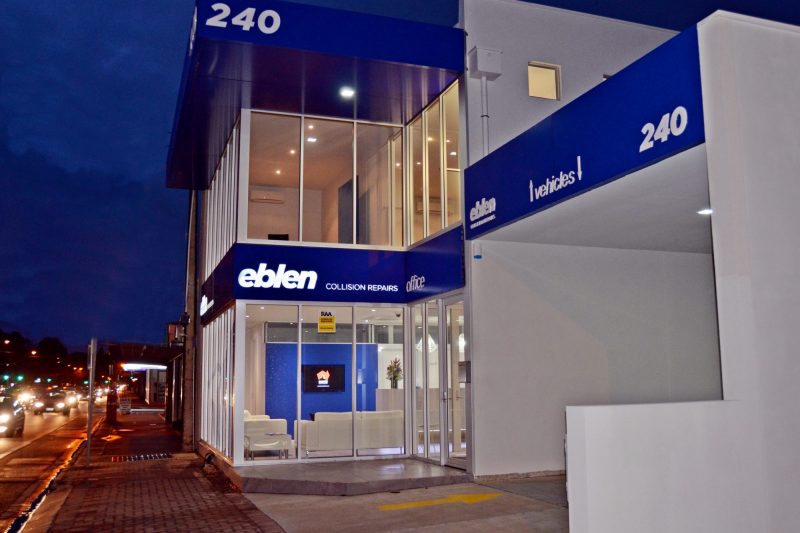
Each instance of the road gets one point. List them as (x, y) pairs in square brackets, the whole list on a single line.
[(28, 463)]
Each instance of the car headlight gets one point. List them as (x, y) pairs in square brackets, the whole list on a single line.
[(71, 400), (39, 404), (5, 417), (60, 405), (25, 397)]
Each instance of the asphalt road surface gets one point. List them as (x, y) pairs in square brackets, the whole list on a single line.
[(28, 463)]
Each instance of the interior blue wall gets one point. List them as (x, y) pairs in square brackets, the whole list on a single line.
[(281, 379)]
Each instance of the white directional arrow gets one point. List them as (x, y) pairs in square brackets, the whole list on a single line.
[(580, 170)]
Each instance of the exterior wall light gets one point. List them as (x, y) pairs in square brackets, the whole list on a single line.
[(347, 92)]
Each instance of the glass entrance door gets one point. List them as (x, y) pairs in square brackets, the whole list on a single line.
[(454, 372), (439, 388)]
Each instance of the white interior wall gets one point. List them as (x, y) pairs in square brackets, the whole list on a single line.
[(563, 325), (255, 370), (585, 46), (266, 218)]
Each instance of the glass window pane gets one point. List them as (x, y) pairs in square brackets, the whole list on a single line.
[(398, 191), (326, 405), (434, 167), (274, 189), (327, 181), (456, 389), (453, 176), (270, 374), (380, 398), (416, 175), (374, 172)]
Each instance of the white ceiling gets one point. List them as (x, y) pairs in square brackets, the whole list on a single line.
[(652, 209)]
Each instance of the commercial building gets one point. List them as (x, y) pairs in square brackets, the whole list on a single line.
[(492, 246)]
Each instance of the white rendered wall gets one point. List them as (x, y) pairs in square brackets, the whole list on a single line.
[(672, 467), (586, 47), (751, 82), (725, 466), (563, 325)]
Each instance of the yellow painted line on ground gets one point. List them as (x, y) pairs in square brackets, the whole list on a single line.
[(456, 498), (110, 438)]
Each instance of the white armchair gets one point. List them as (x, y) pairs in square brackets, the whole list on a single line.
[(248, 416), (266, 435)]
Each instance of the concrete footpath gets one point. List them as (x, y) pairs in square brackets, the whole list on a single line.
[(129, 488)]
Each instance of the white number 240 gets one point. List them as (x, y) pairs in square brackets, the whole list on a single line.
[(268, 20), (671, 123)]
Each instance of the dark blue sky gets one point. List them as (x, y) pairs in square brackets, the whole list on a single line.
[(91, 242)]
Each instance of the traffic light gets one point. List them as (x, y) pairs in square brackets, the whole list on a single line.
[(6, 377), (20, 377)]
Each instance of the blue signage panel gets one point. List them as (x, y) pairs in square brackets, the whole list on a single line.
[(332, 31), (435, 266), (264, 272), (304, 273), (649, 111)]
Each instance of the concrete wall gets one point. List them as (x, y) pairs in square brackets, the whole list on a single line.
[(585, 46), (562, 325)]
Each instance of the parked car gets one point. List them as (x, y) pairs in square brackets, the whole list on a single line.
[(51, 403), (12, 417)]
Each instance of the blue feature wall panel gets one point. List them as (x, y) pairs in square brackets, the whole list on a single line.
[(281, 379)]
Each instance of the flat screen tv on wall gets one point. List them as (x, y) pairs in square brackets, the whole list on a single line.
[(323, 378)]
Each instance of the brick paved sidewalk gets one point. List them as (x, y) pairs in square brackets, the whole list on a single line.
[(175, 494)]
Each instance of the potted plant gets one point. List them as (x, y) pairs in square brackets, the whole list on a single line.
[(394, 372)]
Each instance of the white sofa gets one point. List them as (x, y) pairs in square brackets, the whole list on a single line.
[(332, 431)]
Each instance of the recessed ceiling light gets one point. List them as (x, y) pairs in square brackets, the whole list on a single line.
[(706, 211), (347, 92), (430, 139), (373, 310), (397, 164), (453, 153), (292, 151), (419, 163), (311, 126), (247, 316), (448, 140), (312, 139), (278, 171), (262, 307)]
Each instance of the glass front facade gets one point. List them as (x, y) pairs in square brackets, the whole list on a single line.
[(327, 379), (317, 385)]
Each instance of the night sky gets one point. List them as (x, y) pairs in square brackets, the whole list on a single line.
[(91, 241)]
